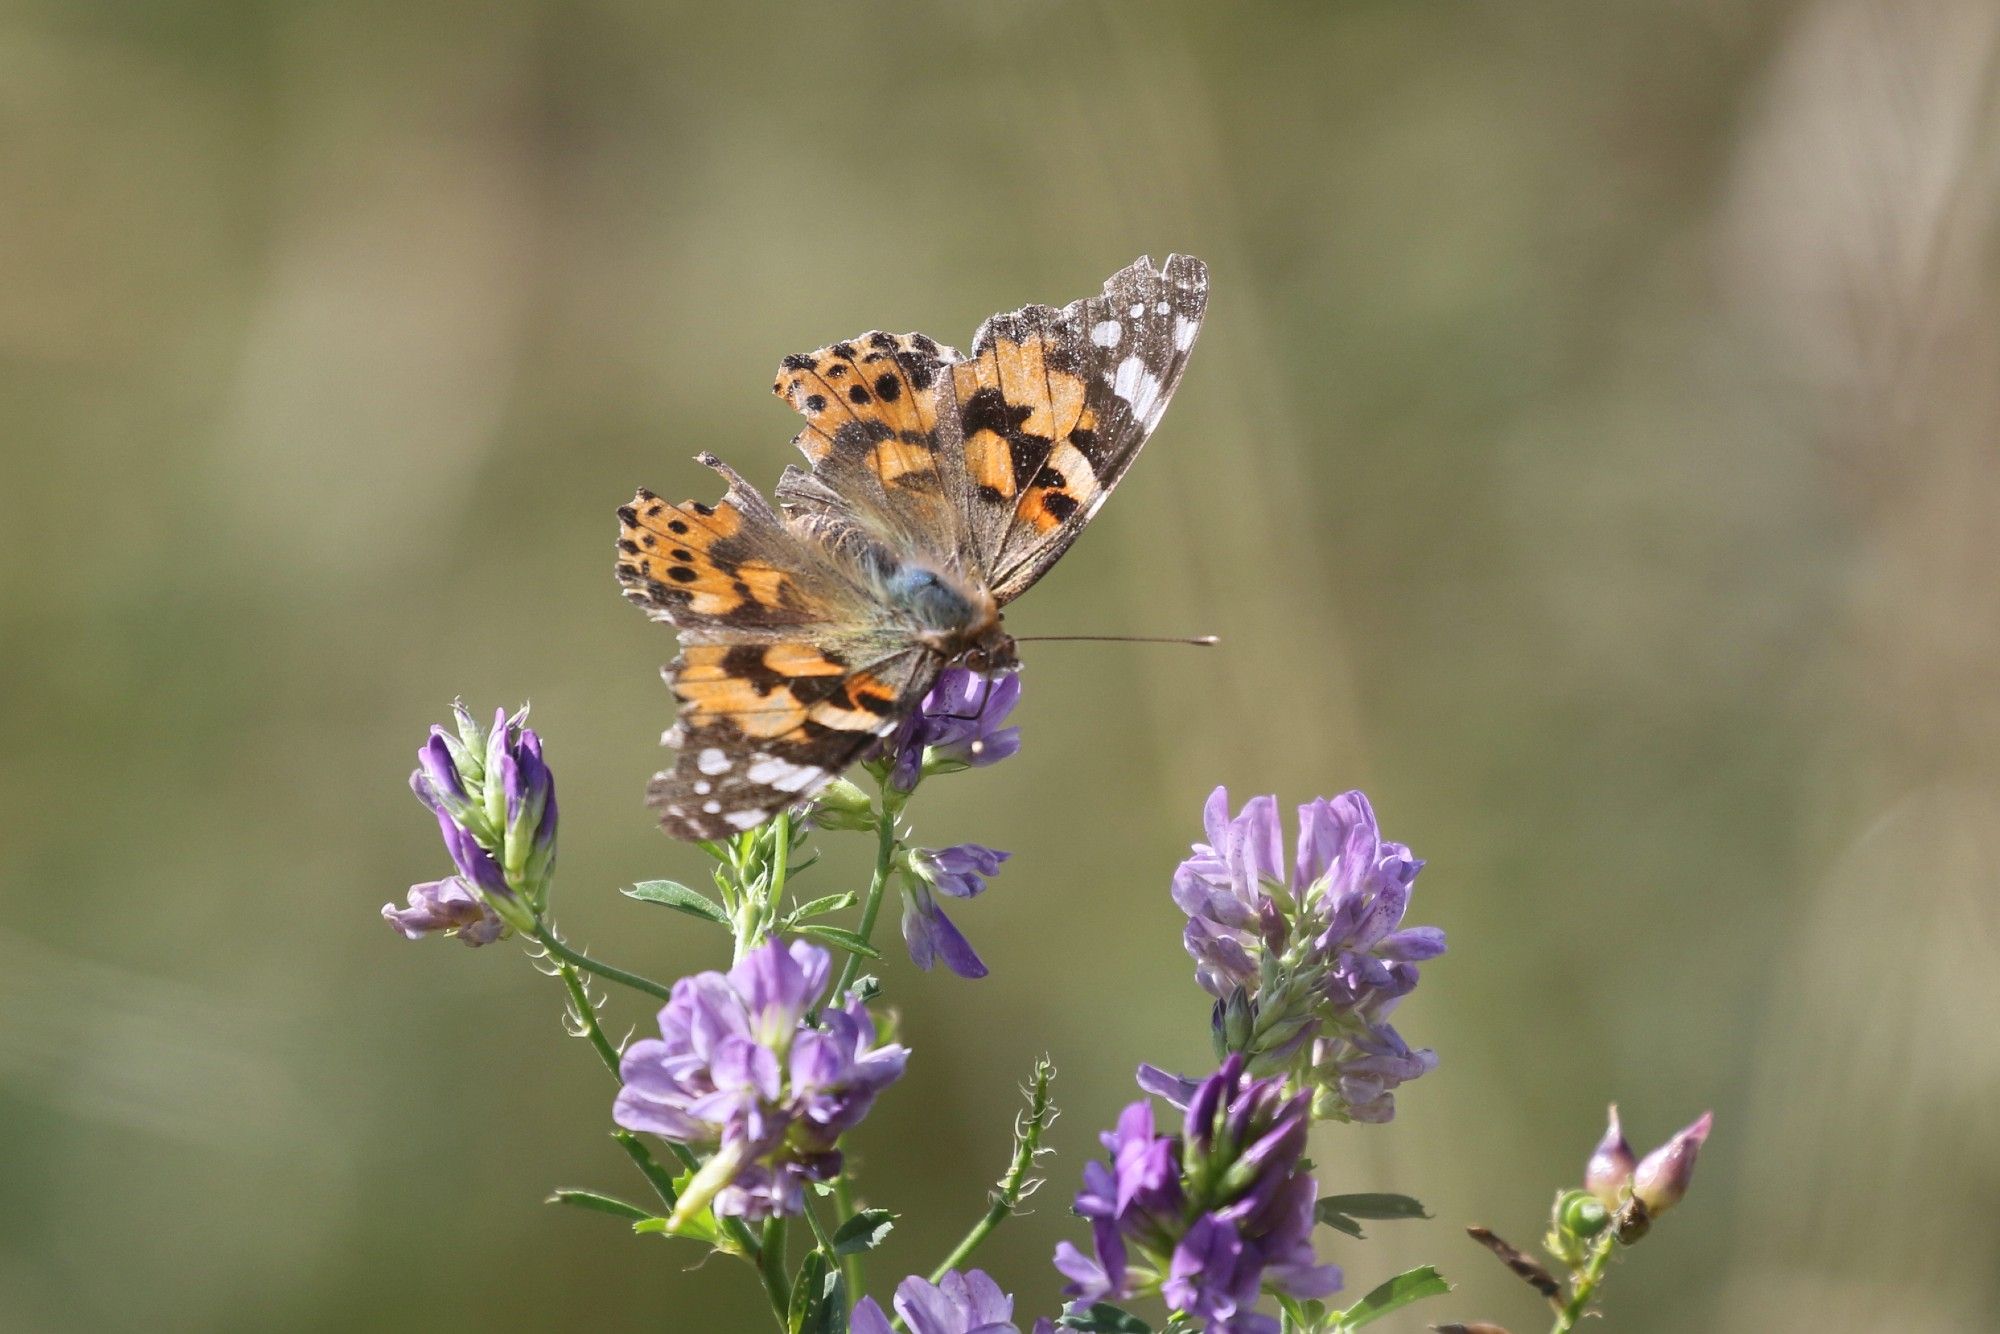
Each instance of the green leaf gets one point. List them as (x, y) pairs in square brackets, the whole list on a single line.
[(603, 1204), (1341, 1222), (1104, 1318), (701, 1229), (1411, 1286), (863, 1232), (1307, 1315), (1374, 1206), (846, 940), (675, 895), (821, 907), (1341, 1211), (819, 1298)]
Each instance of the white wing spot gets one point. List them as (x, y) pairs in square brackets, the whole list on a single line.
[(712, 761), (783, 774), (1162, 308), (712, 807), (1138, 309), (1138, 387), (745, 819), (702, 787), (1184, 331), (1107, 334)]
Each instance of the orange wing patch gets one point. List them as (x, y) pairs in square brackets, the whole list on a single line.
[(1027, 424), (771, 691), (694, 561), (876, 397)]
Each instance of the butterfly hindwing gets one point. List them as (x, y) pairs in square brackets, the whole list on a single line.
[(765, 725), (881, 438)]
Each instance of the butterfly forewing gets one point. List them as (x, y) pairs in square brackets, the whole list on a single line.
[(1074, 393)]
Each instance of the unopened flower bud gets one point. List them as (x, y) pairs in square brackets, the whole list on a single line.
[(1579, 1215), (1662, 1176), (495, 804), (1233, 1024), (842, 805), (1609, 1171)]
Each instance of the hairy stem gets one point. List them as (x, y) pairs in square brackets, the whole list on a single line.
[(885, 858), (555, 946), (658, 1177), (1583, 1286), (1013, 1186), (586, 1015)]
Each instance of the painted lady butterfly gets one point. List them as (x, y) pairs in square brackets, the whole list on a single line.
[(941, 487)]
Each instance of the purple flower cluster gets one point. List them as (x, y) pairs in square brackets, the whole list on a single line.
[(960, 872), (1217, 1215), (968, 1303), (1311, 952), (738, 1071), (495, 802), (961, 724)]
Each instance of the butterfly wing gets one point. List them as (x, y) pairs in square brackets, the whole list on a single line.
[(1055, 404), (882, 440), (765, 725), (785, 675)]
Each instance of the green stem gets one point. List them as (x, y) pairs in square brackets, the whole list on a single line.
[(885, 858), (660, 1179), (818, 1230), (554, 944), (586, 1014), (850, 1265), (1583, 1285), (1007, 1196)]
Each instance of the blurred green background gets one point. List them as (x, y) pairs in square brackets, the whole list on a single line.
[(1591, 453)]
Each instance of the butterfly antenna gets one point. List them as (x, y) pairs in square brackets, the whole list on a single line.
[(1203, 641)]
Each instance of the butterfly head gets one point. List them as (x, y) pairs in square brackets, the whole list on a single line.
[(988, 649)]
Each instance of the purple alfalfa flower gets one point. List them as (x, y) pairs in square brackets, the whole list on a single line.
[(445, 906), (967, 1303), (1310, 948), (929, 935), (961, 724), (1609, 1170), (495, 802), (739, 1072), (1662, 1176), (960, 872), (1217, 1215)]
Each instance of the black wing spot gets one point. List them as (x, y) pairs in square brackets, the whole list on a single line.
[(677, 526), (889, 388), (681, 574), (1059, 504), (815, 403), (857, 393)]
